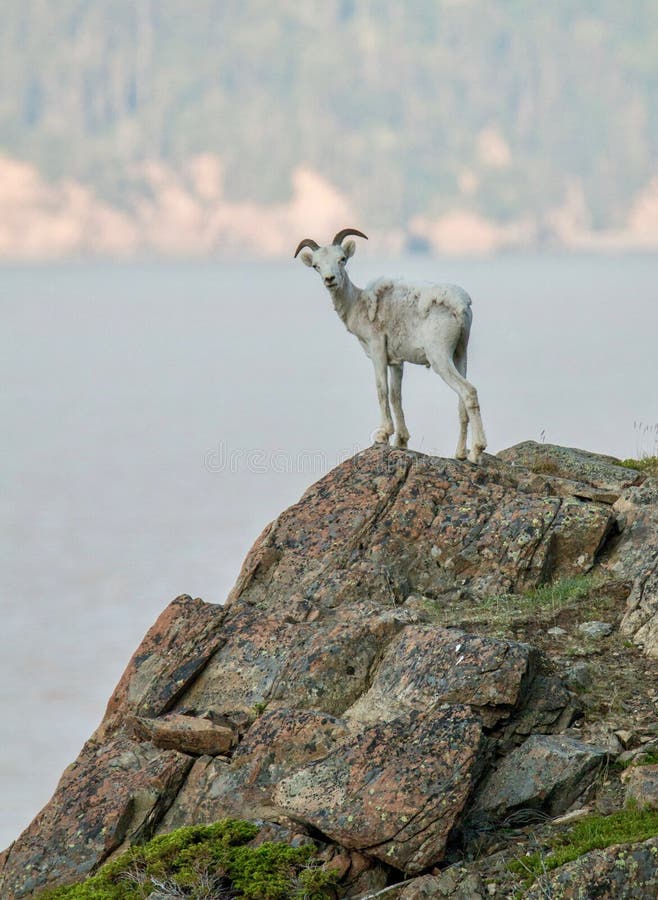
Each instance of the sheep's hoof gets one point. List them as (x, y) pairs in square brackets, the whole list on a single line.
[(461, 454), (475, 456), (400, 442), (381, 436)]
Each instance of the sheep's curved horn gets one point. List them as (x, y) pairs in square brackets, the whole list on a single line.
[(307, 242), (340, 237)]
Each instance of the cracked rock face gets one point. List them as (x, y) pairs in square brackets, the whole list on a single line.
[(426, 666), (352, 713), (636, 557), (395, 791), (634, 496)]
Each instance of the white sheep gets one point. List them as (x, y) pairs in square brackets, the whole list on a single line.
[(397, 322)]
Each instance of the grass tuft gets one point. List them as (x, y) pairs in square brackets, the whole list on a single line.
[(648, 464), (542, 600), (629, 826), (500, 611)]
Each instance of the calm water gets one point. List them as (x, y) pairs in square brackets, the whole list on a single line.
[(155, 418)]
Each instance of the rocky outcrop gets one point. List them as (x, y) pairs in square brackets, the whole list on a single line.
[(335, 694), (634, 496), (636, 557)]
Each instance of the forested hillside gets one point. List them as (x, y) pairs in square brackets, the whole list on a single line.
[(507, 109)]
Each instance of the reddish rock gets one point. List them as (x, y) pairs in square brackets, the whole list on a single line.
[(395, 791), (113, 793), (188, 734), (171, 656)]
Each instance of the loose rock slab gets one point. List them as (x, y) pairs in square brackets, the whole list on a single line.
[(173, 652), (395, 791), (189, 734), (545, 772)]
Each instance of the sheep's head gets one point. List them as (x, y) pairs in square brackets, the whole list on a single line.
[(330, 261)]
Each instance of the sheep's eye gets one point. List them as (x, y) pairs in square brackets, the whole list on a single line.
[(343, 259), (317, 268)]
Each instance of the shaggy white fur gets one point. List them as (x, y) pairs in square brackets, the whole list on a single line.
[(396, 322)]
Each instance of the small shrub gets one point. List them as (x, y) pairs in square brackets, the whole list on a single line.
[(206, 862)]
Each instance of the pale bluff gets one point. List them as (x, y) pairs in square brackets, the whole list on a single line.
[(376, 681)]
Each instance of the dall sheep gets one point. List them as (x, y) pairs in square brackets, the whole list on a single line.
[(397, 322)]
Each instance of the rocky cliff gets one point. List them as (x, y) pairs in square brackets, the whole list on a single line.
[(423, 666)]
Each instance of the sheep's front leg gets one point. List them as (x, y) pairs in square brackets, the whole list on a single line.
[(401, 438), (380, 362)]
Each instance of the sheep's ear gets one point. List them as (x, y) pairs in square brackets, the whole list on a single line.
[(306, 257), (349, 248)]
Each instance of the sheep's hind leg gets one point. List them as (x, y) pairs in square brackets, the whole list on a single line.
[(445, 367), (385, 430), (462, 450), (401, 437)]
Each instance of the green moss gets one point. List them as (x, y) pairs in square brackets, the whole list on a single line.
[(628, 826), (203, 861)]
